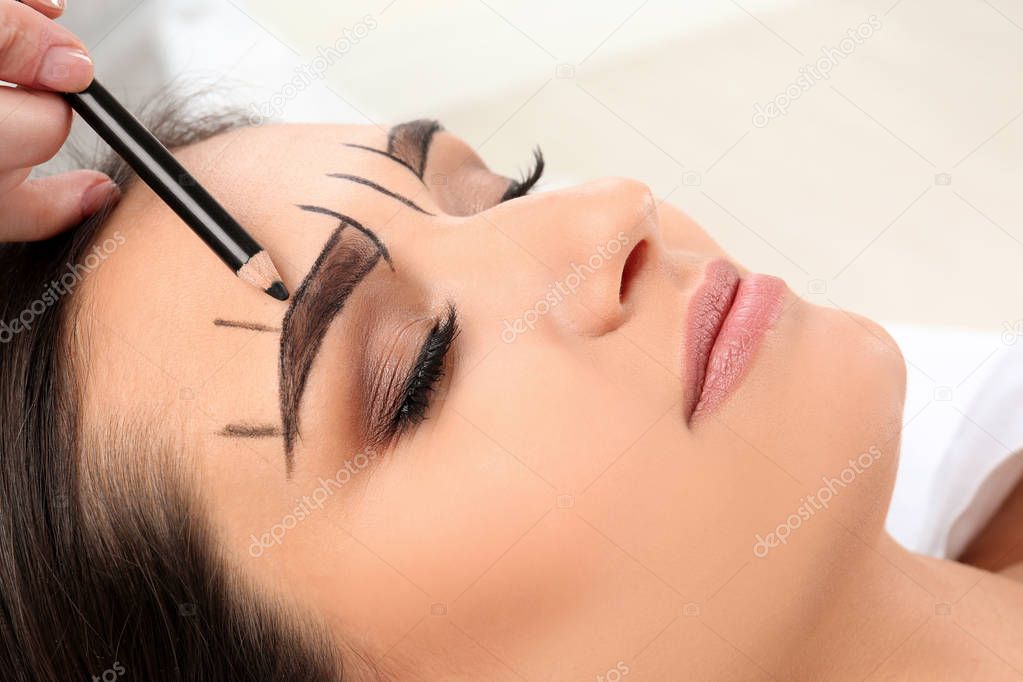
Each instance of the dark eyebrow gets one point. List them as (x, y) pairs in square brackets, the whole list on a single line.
[(411, 143), (341, 265), (408, 144)]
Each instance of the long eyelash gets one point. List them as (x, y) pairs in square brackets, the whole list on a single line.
[(427, 371), (520, 188)]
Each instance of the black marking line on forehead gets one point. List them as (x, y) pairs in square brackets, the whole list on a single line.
[(246, 430), (379, 188), (241, 324)]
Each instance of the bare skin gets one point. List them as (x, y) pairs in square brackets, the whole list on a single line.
[(555, 516)]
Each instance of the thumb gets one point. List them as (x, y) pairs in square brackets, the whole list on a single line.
[(42, 207)]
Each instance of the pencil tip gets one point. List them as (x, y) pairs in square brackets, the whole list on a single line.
[(278, 291)]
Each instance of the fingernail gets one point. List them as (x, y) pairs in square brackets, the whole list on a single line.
[(65, 68), (56, 4), (97, 196)]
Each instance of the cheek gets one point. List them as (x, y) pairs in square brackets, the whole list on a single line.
[(526, 429), (479, 507), (560, 407), (445, 503)]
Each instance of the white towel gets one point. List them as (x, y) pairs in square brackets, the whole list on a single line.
[(963, 437)]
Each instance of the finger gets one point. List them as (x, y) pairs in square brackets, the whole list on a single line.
[(43, 207), (39, 53), (33, 126), (11, 179), (50, 8)]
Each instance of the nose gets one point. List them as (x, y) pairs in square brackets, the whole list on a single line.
[(590, 239)]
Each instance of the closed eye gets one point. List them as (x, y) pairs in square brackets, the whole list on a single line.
[(406, 399)]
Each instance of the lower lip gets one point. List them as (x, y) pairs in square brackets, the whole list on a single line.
[(734, 315)]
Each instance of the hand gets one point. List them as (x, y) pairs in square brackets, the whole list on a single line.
[(40, 56)]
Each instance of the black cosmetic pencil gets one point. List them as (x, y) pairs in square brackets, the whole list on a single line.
[(158, 168)]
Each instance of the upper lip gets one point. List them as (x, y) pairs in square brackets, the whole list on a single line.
[(708, 307)]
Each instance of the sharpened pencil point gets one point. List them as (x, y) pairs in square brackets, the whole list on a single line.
[(278, 291)]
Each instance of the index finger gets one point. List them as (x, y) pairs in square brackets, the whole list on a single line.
[(51, 8), (38, 53)]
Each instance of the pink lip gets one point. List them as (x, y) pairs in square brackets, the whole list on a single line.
[(728, 317)]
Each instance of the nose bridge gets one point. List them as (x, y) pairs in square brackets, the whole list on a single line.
[(584, 236)]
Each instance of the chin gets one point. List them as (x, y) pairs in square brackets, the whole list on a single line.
[(879, 357), (867, 388)]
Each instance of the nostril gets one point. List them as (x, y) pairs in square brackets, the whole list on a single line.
[(633, 265)]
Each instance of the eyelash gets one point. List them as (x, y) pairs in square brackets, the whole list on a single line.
[(414, 399), (520, 188)]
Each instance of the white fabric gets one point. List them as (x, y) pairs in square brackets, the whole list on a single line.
[(983, 462), (963, 436)]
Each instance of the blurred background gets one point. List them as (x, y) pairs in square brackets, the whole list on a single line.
[(868, 151)]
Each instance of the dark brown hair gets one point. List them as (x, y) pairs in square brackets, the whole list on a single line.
[(108, 569)]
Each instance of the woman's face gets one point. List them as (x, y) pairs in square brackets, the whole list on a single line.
[(563, 493)]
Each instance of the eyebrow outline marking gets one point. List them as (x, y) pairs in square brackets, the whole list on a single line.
[(250, 326), (246, 430), (338, 269), (383, 153), (383, 190), (347, 220)]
